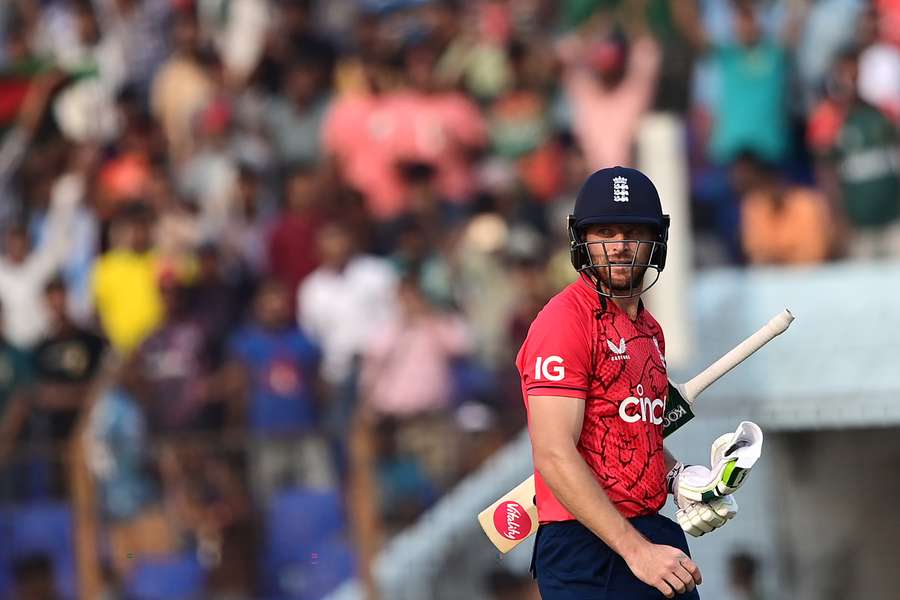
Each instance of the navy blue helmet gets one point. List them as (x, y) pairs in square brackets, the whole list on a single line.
[(618, 196)]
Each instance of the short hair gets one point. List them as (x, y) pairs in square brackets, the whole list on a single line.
[(32, 566), (56, 284)]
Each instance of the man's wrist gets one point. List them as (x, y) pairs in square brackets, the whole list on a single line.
[(629, 544), (672, 477)]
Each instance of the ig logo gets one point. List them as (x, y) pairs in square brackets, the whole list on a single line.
[(549, 368)]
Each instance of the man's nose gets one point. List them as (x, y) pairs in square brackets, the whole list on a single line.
[(616, 246)]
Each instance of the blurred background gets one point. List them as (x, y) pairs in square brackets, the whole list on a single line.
[(266, 265)]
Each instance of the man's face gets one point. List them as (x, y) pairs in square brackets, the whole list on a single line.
[(746, 26), (17, 245), (335, 246), (272, 308), (56, 302), (619, 245)]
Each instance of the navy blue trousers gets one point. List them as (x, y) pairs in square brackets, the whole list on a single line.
[(571, 563)]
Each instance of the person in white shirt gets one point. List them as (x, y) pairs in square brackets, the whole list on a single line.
[(348, 297), (24, 271)]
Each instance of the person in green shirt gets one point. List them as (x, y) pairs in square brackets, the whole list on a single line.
[(857, 163), (750, 112)]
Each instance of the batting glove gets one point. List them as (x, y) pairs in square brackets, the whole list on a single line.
[(695, 517), (732, 456)]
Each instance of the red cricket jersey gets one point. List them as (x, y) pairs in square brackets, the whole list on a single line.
[(579, 347)]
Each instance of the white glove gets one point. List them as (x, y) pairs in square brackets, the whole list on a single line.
[(703, 496), (732, 456), (699, 518)]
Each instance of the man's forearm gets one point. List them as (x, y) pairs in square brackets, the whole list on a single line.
[(573, 484)]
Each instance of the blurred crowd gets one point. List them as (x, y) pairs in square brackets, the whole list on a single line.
[(262, 258)]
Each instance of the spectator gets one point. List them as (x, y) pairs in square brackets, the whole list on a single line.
[(406, 369), (781, 224), (357, 135), (73, 188), (292, 246), (857, 148), (177, 231), (825, 33), (436, 127), (208, 500), (209, 175), (126, 292), (294, 120), (750, 107), (65, 365), (24, 271), (742, 568), (15, 379), (344, 300), (879, 60), (245, 240), (120, 461), (85, 110), (416, 251), (178, 360), (139, 28), (609, 83), (279, 366), (182, 87), (213, 298)]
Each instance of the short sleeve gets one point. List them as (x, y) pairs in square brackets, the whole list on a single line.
[(555, 359)]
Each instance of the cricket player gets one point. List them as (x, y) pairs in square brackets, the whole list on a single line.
[(594, 381)]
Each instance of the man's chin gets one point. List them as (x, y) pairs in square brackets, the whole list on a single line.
[(622, 285)]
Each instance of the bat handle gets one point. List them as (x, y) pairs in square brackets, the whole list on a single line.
[(776, 325)]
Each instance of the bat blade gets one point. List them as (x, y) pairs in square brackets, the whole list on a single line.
[(512, 518), (500, 521)]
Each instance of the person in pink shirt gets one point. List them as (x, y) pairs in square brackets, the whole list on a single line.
[(370, 134), (437, 127), (406, 368), (609, 83), (357, 134)]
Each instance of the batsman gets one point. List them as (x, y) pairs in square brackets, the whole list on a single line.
[(594, 382)]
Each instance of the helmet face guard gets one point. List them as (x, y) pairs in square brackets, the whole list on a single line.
[(583, 260)]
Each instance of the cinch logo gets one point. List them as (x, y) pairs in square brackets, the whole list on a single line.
[(512, 520), (620, 189), (645, 409), (543, 369), (618, 352)]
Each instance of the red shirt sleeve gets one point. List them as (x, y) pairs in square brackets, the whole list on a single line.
[(555, 359)]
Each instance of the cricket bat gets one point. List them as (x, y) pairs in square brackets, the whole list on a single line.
[(514, 517)]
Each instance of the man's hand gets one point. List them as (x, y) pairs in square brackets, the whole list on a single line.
[(731, 457), (667, 569)]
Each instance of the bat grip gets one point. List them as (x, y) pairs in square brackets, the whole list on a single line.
[(777, 325)]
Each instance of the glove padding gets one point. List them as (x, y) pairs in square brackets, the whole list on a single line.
[(695, 517), (699, 518), (732, 456)]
